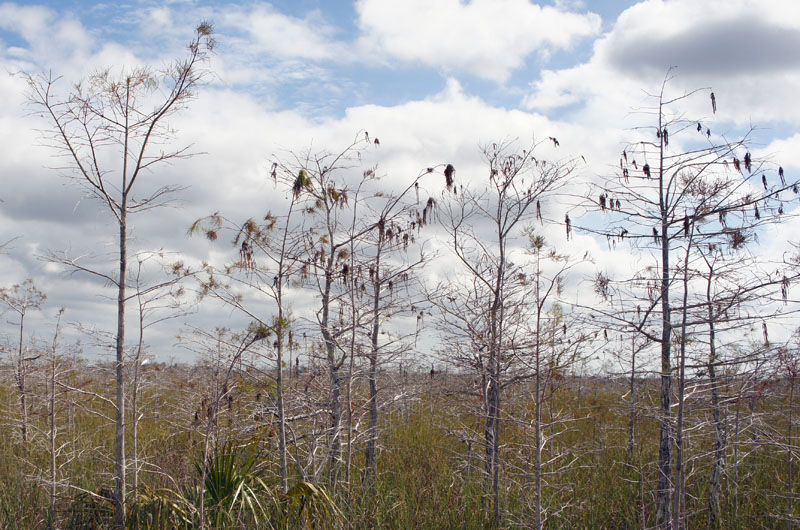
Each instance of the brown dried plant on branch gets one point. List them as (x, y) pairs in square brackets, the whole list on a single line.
[(683, 197), (484, 309)]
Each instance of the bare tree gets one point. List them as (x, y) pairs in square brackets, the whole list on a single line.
[(394, 226), (20, 299), (156, 303), (556, 346), (126, 116), (53, 374), (270, 259), (673, 196), (482, 310), (322, 182)]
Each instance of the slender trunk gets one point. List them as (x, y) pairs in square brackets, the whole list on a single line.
[(664, 493), (137, 363), (488, 431), (372, 430), (21, 383), (537, 428), (719, 450), (537, 432), (551, 397), (632, 402), (349, 400), (119, 431), (679, 491), (492, 428), (496, 441), (335, 444), (789, 457), (491, 437), (281, 408), (279, 356), (53, 430), (119, 426)]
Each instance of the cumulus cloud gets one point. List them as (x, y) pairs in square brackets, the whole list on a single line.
[(50, 37), (284, 36), (745, 52), (488, 39), (734, 39)]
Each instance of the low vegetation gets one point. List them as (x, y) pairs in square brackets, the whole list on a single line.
[(430, 472)]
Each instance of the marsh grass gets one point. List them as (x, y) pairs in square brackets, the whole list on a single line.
[(429, 477)]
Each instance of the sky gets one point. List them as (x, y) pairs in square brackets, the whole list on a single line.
[(434, 80)]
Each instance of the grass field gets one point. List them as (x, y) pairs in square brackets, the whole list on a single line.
[(430, 459)]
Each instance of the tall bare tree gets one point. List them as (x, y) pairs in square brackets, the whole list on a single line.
[(484, 309), (326, 182), (122, 117), (679, 190), (270, 261)]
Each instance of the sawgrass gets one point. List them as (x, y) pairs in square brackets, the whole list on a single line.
[(429, 477)]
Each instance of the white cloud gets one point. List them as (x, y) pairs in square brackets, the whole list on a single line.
[(48, 33), (285, 36), (744, 51), (488, 38), (157, 20)]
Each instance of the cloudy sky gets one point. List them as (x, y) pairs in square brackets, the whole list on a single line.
[(434, 80)]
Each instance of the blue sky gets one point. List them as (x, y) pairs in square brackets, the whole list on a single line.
[(433, 79)]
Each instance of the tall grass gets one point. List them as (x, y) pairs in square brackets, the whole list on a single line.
[(429, 476)]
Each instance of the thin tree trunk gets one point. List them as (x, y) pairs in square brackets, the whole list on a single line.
[(537, 428), (679, 480), (335, 445), (372, 430), (281, 407), (496, 441), (537, 432), (119, 427), (789, 454), (137, 363), (664, 493), (632, 402), (21, 383), (53, 430), (281, 332), (349, 402), (719, 450), (492, 429), (119, 430)]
